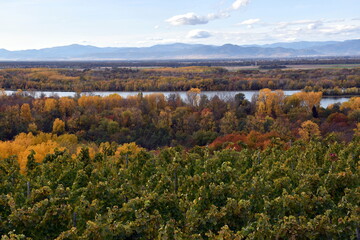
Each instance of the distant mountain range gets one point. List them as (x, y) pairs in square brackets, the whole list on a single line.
[(187, 51)]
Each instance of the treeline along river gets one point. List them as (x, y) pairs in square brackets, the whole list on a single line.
[(325, 102)]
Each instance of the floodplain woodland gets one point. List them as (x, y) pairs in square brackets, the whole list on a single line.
[(152, 166)]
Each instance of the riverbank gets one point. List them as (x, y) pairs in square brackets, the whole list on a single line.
[(325, 102)]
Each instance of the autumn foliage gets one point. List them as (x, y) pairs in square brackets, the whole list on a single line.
[(329, 81), (309, 190), (156, 167)]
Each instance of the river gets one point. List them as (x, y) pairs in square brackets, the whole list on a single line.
[(325, 102)]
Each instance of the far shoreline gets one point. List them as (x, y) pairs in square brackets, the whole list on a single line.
[(160, 91)]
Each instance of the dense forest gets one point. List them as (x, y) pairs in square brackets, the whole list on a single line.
[(156, 167), (330, 81), (306, 190), (154, 121)]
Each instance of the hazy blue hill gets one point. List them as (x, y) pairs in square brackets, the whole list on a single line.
[(297, 45), (4, 53), (350, 48), (191, 51), (63, 52), (176, 51)]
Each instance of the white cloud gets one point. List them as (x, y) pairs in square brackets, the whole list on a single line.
[(239, 3), (315, 25), (317, 28), (187, 19), (199, 34), (341, 29), (193, 19), (301, 30), (250, 21), (299, 23)]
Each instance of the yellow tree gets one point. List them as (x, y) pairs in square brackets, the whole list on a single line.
[(66, 106), (32, 127), (269, 103), (309, 99), (156, 101), (91, 103), (313, 99), (353, 104), (164, 120), (278, 101), (58, 126), (309, 130), (50, 105), (38, 105), (112, 101), (41, 150), (25, 113), (126, 151)]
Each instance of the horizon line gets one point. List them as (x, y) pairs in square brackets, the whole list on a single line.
[(164, 44)]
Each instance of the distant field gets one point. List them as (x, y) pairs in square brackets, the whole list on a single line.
[(236, 68), (301, 67), (230, 64), (315, 66)]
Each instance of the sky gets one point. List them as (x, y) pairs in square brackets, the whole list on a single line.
[(35, 24)]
